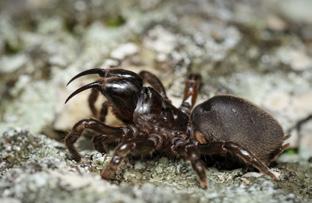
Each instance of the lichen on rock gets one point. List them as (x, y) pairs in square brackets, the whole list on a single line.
[(36, 169), (260, 50)]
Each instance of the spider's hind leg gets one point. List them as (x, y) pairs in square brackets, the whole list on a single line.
[(278, 152), (240, 152)]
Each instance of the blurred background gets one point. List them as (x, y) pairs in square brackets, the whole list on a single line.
[(259, 50)]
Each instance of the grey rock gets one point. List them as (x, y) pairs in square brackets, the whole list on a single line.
[(38, 171), (247, 48)]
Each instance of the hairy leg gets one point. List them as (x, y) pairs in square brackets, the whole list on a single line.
[(154, 82), (243, 154), (192, 85), (95, 125), (136, 145)]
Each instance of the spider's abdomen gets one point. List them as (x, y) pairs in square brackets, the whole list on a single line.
[(232, 119)]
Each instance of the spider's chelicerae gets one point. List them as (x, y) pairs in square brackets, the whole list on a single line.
[(222, 125)]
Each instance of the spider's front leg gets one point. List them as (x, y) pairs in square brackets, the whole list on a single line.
[(136, 145), (104, 108), (113, 133)]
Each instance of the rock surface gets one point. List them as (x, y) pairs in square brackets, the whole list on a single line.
[(260, 50), (36, 169)]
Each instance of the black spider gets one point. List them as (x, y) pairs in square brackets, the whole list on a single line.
[(221, 125)]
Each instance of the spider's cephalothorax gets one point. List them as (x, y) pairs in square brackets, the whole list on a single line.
[(222, 125)]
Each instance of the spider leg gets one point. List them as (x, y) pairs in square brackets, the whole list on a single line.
[(237, 150), (154, 82), (300, 123), (98, 143), (142, 146), (197, 165), (278, 152), (91, 101), (99, 127), (189, 153), (101, 142), (104, 109), (192, 86)]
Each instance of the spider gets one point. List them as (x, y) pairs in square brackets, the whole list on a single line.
[(222, 125)]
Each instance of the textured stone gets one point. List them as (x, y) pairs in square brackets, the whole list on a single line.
[(251, 49)]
